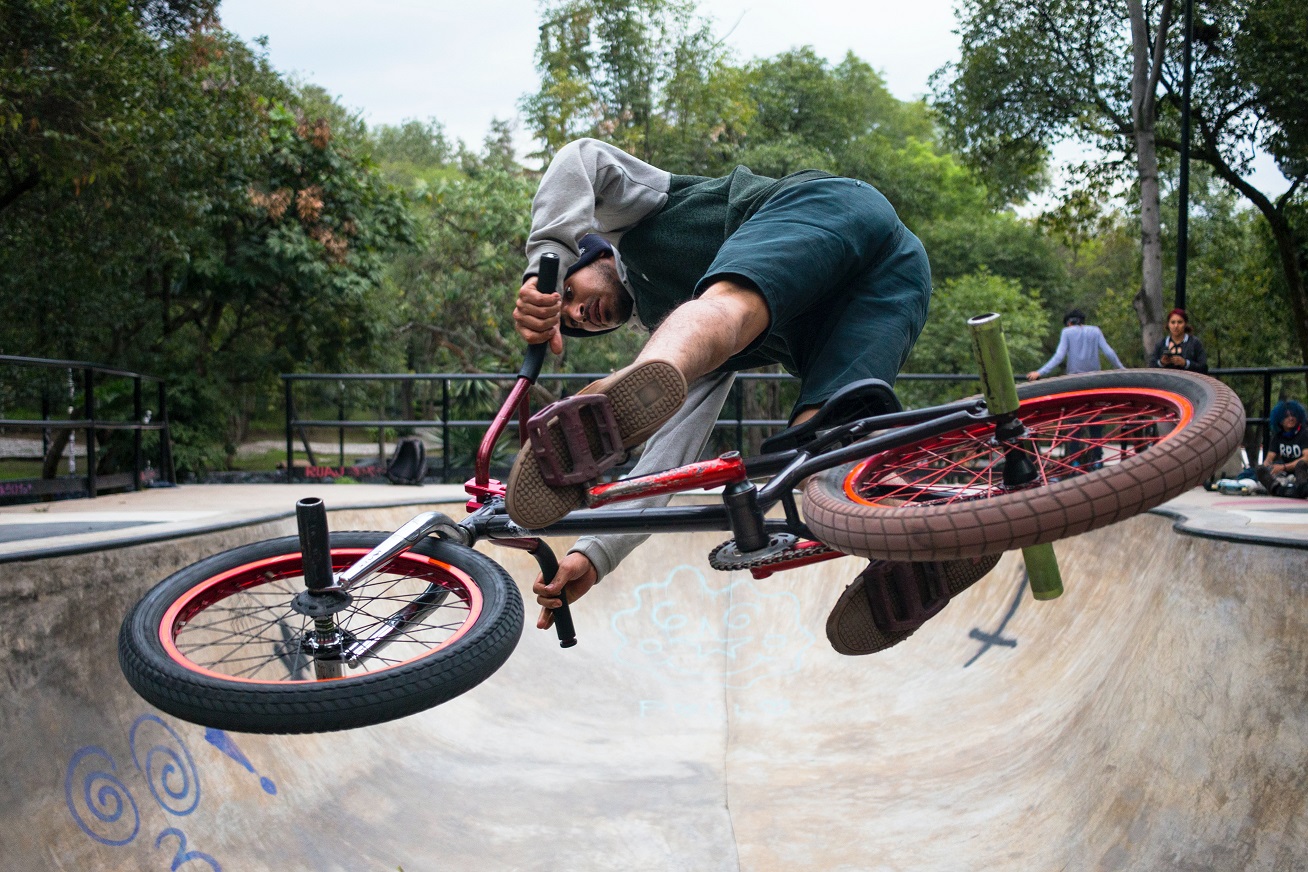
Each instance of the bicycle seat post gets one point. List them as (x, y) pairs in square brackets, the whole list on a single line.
[(743, 512)]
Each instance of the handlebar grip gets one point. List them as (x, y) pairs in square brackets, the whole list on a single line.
[(535, 359), (549, 567), (547, 281)]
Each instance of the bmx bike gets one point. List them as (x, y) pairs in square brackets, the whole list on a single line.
[(321, 632)]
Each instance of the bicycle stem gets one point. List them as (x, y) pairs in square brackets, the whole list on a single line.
[(413, 531)]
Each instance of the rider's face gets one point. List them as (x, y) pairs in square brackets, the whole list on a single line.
[(594, 299), (1289, 422)]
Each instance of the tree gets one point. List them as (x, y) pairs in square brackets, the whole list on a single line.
[(646, 75), (1034, 72), (233, 230)]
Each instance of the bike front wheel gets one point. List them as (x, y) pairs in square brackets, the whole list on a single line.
[(223, 644), (1105, 446)]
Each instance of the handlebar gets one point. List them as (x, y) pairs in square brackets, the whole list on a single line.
[(548, 277)]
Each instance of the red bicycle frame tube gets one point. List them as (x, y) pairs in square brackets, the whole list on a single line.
[(727, 469), (820, 552), (481, 487)]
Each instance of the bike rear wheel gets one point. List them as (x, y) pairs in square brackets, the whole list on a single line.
[(220, 643), (1106, 446)]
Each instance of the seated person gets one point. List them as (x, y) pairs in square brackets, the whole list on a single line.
[(1180, 348), (1289, 443)]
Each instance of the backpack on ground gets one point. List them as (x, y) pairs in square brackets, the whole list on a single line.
[(408, 465)]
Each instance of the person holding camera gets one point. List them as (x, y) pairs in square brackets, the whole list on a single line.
[(1180, 348)]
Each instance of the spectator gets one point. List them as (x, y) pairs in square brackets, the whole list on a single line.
[(1180, 348), (1284, 472), (1079, 345)]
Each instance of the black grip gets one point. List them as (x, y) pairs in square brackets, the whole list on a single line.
[(547, 282), (549, 567), (535, 359), (315, 547)]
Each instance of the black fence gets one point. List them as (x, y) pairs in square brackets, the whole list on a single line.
[(46, 404), (451, 411)]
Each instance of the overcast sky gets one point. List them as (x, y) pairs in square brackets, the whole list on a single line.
[(464, 63)]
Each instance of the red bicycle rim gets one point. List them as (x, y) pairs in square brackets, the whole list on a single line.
[(273, 569), (1072, 433)]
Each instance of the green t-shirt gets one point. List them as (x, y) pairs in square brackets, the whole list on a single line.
[(667, 254)]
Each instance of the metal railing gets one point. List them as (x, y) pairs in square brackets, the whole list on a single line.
[(92, 482), (733, 420)]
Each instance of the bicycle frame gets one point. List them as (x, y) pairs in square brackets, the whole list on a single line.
[(744, 505)]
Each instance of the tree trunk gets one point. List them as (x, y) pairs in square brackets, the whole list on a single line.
[(53, 454), (1149, 300), (1144, 83)]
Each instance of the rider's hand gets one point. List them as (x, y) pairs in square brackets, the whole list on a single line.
[(1033, 375), (576, 572), (536, 316)]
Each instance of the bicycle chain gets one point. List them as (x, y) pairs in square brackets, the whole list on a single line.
[(727, 558)]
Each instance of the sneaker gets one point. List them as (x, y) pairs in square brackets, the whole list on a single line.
[(1265, 478), (859, 623), (644, 396)]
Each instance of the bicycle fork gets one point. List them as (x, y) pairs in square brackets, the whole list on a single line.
[(326, 594)]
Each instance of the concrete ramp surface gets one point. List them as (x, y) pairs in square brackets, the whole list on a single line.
[(1153, 718)]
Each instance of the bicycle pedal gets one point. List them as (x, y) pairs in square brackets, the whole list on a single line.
[(901, 597), (589, 442)]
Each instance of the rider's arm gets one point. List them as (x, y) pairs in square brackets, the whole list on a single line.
[(590, 186), (1059, 356), (678, 442)]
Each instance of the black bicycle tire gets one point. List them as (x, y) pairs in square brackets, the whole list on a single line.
[(314, 707), (1048, 512)]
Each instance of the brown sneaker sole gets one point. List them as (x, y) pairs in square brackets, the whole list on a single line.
[(643, 396), (851, 628)]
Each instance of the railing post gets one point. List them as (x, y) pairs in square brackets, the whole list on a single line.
[(166, 437), (290, 435), (445, 430), (740, 415), (139, 412), (1266, 443), (340, 416), (88, 404), (45, 418)]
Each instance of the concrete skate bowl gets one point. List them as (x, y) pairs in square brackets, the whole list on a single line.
[(1154, 718)]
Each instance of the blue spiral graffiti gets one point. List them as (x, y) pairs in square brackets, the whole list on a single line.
[(105, 798), (170, 771)]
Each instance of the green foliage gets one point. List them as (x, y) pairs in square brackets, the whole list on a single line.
[(225, 225), (945, 345), (646, 75), (1271, 55)]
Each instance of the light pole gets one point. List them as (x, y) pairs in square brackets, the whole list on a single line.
[(1183, 219)]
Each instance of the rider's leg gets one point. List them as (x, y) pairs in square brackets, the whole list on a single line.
[(642, 396)]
